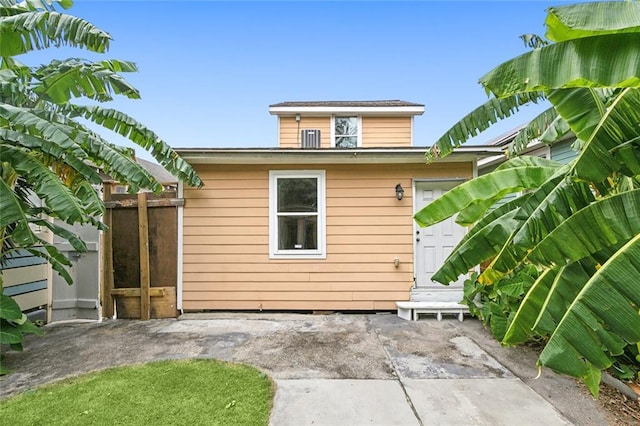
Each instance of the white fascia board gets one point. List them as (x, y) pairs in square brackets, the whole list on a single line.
[(325, 110), (329, 156)]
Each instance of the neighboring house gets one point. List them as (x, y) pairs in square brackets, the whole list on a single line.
[(26, 278), (325, 220), (560, 151)]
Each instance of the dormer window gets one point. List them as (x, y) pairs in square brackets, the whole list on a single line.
[(346, 132)]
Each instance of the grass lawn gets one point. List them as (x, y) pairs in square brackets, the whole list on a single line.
[(182, 392)]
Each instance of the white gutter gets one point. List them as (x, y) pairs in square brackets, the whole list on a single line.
[(329, 156)]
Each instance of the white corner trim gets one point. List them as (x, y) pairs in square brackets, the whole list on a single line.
[(180, 248)]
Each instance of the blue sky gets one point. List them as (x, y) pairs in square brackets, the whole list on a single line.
[(208, 70)]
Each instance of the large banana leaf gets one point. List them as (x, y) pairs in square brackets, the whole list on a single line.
[(74, 78), (530, 311), (67, 153), (25, 121), (55, 258), (117, 164), (513, 176), (74, 240), (34, 30), (128, 127), (479, 120), (547, 127), (604, 123), (483, 245), (482, 242), (605, 223), (589, 19), (605, 308), (546, 207), (12, 213), (58, 129), (611, 60), (46, 184), (474, 211)]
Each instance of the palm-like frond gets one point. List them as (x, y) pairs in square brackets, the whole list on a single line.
[(581, 225), (586, 20), (513, 176), (479, 120), (530, 311), (66, 153), (611, 60), (139, 134), (604, 123), (548, 206), (60, 81), (591, 230), (547, 127), (487, 240), (46, 184), (12, 214), (604, 312), (35, 30)]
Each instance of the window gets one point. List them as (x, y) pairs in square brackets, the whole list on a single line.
[(297, 214), (346, 132)]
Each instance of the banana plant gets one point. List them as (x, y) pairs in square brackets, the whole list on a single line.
[(47, 153), (579, 225), (45, 150)]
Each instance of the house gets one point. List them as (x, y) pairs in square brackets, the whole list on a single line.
[(560, 151), (323, 221)]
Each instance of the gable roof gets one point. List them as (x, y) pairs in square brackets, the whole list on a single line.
[(158, 172), (386, 107)]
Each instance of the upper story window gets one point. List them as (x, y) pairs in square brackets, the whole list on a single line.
[(347, 132), (297, 214)]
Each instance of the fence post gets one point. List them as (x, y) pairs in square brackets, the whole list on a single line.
[(143, 233), (106, 298)]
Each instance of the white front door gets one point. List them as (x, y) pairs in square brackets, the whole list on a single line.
[(434, 243)]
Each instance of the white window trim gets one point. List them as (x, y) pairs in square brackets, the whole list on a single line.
[(274, 252), (333, 129), (543, 152)]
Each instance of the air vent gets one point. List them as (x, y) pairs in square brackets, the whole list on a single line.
[(310, 138)]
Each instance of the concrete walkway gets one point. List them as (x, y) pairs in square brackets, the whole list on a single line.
[(341, 369)]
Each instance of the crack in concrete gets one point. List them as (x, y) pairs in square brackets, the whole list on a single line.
[(394, 371)]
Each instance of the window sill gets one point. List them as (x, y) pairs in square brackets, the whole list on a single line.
[(289, 256)]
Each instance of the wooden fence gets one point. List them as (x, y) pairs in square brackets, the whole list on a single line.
[(140, 255)]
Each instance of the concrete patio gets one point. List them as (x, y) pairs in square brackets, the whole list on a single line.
[(334, 369)]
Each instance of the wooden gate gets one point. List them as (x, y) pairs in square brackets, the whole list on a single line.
[(140, 255)]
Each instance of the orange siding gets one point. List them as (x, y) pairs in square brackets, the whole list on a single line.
[(226, 240), (386, 131), (290, 131), (376, 131)]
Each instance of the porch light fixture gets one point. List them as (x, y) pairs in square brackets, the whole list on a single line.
[(399, 192)]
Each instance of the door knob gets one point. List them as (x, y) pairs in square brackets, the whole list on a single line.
[(418, 239)]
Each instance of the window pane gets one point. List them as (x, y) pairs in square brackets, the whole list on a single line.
[(346, 126), (297, 232), (346, 142), (297, 195)]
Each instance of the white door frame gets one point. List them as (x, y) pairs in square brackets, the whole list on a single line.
[(416, 228)]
